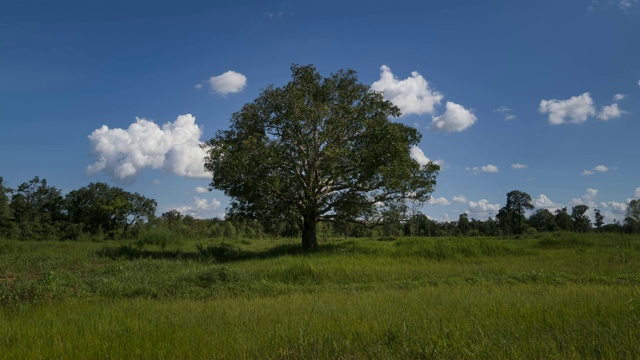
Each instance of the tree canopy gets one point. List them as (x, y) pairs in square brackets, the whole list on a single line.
[(318, 149)]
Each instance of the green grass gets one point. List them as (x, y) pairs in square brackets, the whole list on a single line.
[(549, 296)]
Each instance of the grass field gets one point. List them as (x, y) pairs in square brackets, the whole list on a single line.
[(559, 295)]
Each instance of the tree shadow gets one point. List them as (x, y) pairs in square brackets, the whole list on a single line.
[(225, 252), (220, 253)]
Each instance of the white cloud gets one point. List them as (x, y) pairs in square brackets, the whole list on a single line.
[(200, 209), (455, 118), (626, 5), (518, 166), (228, 83), (483, 208), (610, 112), (412, 95), (543, 202), (590, 194), (198, 86), (489, 168), (598, 168), (508, 116), (637, 192), (575, 110), (201, 190), (460, 199), (618, 97), (438, 201), (418, 155), (175, 148), (617, 208)]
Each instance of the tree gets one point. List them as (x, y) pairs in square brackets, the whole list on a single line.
[(318, 149), (543, 220), (100, 207), (38, 209), (463, 223), (512, 214), (599, 218), (632, 219), (563, 219), (5, 210), (581, 221)]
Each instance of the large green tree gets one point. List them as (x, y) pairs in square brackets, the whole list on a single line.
[(511, 216), (100, 207), (318, 149)]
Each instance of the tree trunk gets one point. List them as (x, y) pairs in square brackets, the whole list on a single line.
[(309, 240)]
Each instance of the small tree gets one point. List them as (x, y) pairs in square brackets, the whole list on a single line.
[(599, 219), (318, 149)]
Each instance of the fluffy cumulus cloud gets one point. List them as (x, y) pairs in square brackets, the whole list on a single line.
[(575, 110), (174, 147), (412, 95), (543, 202), (201, 189), (418, 155), (438, 201), (609, 112), (482, 208), (455, 118), (461, 199), (518, 166), (598, 168), (228, 83), (618, 97), (201, 208)]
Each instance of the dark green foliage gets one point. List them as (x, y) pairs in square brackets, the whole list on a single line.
[(318, 149), (511, 217), (38, 210), (581, 222), (543, 220), (100, 207), (632, 220), (563, 220), (599, 219)]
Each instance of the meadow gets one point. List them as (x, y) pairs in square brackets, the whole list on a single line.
[(556, 295)]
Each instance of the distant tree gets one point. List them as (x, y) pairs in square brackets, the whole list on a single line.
[(581, 221), (38, 210), (5, 209), (632, 219), (228, 230), (563, 220), (543, 220), (599, 218), (463, 223), (318, 149), (511, 216), (100, 207)]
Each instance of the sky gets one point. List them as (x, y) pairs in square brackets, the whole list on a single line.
[(537, 96)]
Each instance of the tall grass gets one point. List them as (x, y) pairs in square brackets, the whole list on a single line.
[(551, 295)]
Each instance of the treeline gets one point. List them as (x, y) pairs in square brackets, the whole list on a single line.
[(36, 210)]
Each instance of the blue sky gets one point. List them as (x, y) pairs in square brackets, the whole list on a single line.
[(538, 96)]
